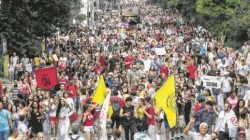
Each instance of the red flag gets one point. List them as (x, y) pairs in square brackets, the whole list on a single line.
[(46, 78)]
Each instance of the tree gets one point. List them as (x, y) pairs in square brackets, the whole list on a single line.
[(227, 20), (26, 22)]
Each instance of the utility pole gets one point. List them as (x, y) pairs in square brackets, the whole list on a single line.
[(88, 11)]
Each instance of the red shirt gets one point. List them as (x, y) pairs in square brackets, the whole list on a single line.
[(128, 59), (192, 70), (72, 91), (150, 111), (89, 120), (102, 60), (116, 98), (164, 70), (24, 89)]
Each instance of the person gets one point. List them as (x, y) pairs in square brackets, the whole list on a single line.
[(116, 103), (139, 114), (88, 121), (75, 136), (52, 116), (233, 99), (22, 128), (226, 123), (5, 121), (150, 118), (63, 113), (207, 115), (36, 118), (25, 89), (226, 84), (40, 136), (201, 135), (192, 71), (214, 136), (242, 113), (127, 113), (72, 91), (13, 134), (14, 116)]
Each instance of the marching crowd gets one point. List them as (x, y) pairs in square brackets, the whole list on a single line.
[(135, 64)]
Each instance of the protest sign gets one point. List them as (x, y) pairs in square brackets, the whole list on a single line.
[(160, 51), (211, 81)]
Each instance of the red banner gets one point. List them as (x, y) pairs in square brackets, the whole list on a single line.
[(46, 78)]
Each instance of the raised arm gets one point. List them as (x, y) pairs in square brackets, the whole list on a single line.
[(187, 128)]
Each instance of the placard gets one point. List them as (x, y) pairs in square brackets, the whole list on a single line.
[(160, 51), (211, 81)]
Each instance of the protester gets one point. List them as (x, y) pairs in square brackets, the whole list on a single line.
[(40, 136), (75, 136), (150, 118), (6, 124), (128, 119), (206, 115), (63, 113), (88, 121), (226, 123), (202, 134), (13, 134)]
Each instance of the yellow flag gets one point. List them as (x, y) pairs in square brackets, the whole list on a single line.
[(110, 111), (165, 99), (100, 92)]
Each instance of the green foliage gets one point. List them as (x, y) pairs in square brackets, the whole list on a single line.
[(227, 20), (26, 22)]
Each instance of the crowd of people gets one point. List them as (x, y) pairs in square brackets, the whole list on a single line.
[(134, 69)]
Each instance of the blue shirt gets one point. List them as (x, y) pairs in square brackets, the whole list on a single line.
[(4, 120)]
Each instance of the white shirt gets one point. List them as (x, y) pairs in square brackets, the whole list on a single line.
[(226, 86), (242, 69), (222, 66), (70, 102), (228, 118), (197, 136), (22, 128), (28, 67)]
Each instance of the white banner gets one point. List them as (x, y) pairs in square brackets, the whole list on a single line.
[(103, 117), (160, 51), (211, 81)]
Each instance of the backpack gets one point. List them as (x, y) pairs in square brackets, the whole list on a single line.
[(116, 106), (71, 138)]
